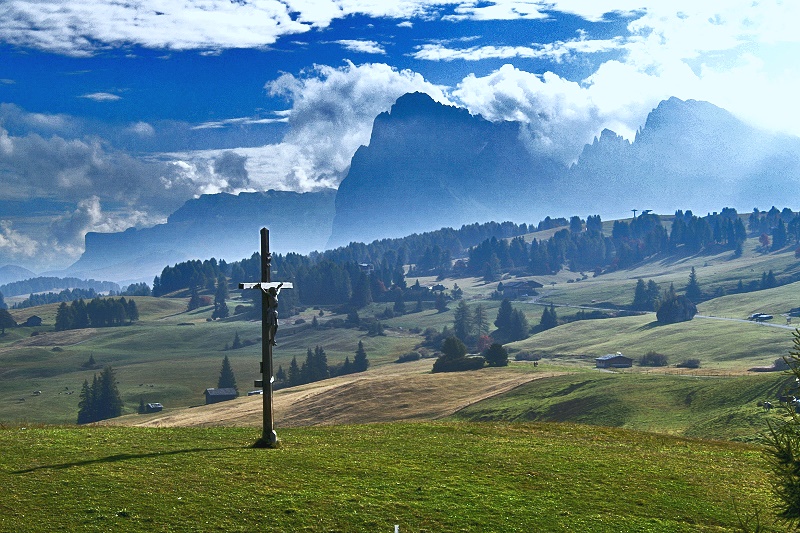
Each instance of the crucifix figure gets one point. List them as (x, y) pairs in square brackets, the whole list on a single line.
[(269, 327)]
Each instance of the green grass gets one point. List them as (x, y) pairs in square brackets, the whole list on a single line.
[(703, 407), (717, 344), (423, 477)]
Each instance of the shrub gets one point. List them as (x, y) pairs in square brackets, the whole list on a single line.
[(473, 362), (653, 359), (408, 357), (689, 363), (526, 356), (496, 355)]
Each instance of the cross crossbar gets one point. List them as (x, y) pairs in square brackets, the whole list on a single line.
[(264, 285)]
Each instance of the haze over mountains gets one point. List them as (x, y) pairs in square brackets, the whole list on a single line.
[(429, 165)]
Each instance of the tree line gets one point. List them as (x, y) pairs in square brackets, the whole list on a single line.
[(316, 367), (98, 313), (47, 283), (67, 295)]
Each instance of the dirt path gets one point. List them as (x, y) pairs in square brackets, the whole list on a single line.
[(389, 393)]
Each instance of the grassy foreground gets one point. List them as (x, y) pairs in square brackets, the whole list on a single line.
[(422, 477)]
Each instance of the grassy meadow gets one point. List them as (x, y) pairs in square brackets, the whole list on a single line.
[(560, 446), (434, 477)]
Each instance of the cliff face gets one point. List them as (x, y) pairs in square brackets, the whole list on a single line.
[(224, 226), (429, 165)]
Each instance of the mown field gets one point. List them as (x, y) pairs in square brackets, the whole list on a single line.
[(434, 477)]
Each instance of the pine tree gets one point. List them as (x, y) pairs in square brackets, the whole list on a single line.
[(237, 343), (519, 326), (347, 367), (226, 378), (320, 364), (441, 303), (194, 299), (399, 304), (132, 311), (503, 320), (479, 321), (142, 407), (85, 404), (640, 296), (549, 318), (693, 291), (280, 375), (360, 361), (462, 321), (293, 375), (6, 321)]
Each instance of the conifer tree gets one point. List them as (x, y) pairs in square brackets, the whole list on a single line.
[(462, 321), (503, 320), (480, 324), (194, 299), (293, 375), (693, 291), (237, 343), (360, 361), (142, 407), (226, 378)]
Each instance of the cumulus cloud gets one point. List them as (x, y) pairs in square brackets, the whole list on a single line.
[(142, 129), (230, 166), (330, 116), (15, 244), (361, 46), (67, 232)]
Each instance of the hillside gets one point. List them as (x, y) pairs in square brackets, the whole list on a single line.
[(170, 356), (420, 477)]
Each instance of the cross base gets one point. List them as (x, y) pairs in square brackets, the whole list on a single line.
[(270, 440)]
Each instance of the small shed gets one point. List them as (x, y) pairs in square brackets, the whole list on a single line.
[(220, 395), (153, 408), (614, 360), (33, 321)]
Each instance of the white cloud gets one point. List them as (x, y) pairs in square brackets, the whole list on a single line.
[(102, 97), (499, 10), (142, 129), (363, 47), (15, 244), (239, 121), (406, 24), (556, 51)]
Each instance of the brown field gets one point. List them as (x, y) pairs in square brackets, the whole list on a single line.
[(389, 393)]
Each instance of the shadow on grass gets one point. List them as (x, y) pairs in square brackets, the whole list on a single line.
[(120, 457), (650, 325)]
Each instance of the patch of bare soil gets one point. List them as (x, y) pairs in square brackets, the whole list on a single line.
[(389, 393)]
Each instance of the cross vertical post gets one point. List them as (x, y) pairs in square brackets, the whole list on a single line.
[(269, 326), (268, 437)]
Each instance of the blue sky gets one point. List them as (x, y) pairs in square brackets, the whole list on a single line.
[(112, 114)]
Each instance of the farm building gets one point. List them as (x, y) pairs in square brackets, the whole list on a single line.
[(33, 321), (614, 360), (220, 395), (517, 289), (153, 408)]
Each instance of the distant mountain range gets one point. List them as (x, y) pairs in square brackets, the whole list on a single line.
[(223, 225), (429, 166)]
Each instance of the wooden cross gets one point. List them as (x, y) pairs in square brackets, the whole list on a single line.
[(269, 325)]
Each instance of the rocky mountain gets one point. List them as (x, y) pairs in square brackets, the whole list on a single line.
[(688, 154), (224, 226), (429, 165)]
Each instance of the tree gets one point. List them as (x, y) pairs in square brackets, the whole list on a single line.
[(496, 355), (549, 318), (220, 307), (480, 323), (462, 321), (320, 364), (441, 302), (503, 320), (452, 348), (226, 378), (693, 291), (64, 319), (237, 342), (783, 449), (360, 361), (763, 240), (100, 400), (132, 311), (674, 308), (293, 376), (399, 304), (194, 299), (519, 326), (6, 321), (142, 409)]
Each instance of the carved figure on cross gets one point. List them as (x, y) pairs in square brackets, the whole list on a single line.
[(271, 291)]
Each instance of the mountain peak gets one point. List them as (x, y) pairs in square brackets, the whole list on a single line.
[(422, 104)]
